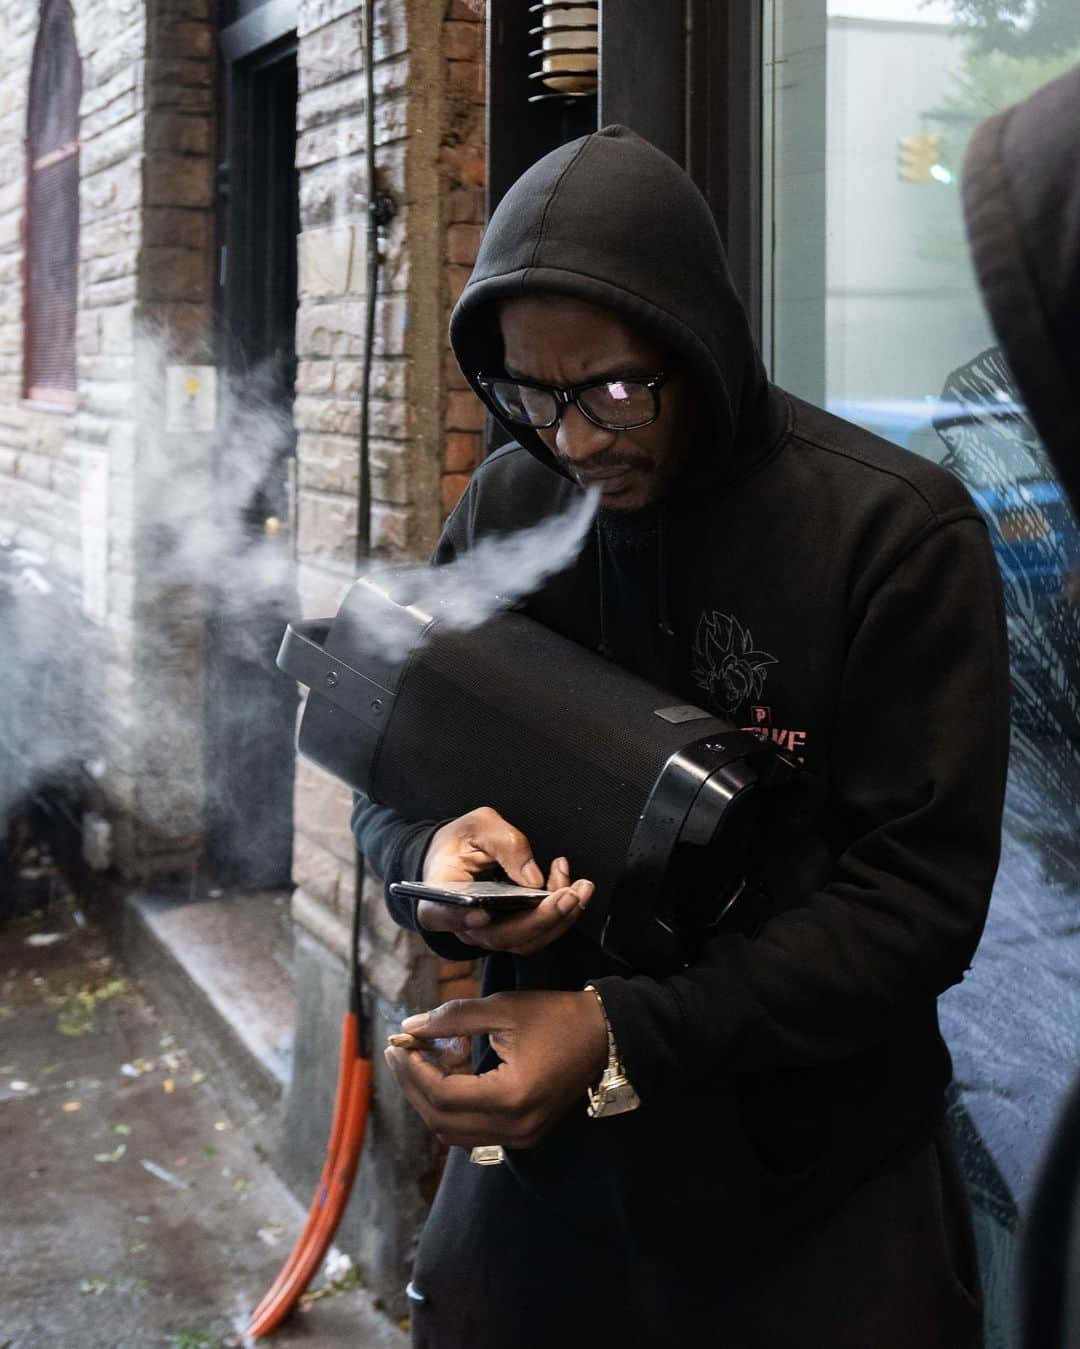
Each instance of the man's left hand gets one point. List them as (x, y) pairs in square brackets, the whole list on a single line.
[(552, 1046)]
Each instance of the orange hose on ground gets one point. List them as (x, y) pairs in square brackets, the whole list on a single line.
[(321, 1234), (346, 1064), (332, 1192)]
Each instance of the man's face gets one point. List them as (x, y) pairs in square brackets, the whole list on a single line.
[(555, 340)]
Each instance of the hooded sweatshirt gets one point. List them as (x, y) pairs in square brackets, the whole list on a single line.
[(836, 595), (1021, 187)]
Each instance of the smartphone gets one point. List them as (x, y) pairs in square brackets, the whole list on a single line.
[(496, 896)]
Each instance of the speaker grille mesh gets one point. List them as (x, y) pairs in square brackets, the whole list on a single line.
[(564, 745)]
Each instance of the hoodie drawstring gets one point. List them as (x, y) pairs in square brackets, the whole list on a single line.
[(604, 649), (663, 612), (663, 615)]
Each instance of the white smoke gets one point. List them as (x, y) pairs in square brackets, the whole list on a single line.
[(124, 700), (207, 574), (42, 671), (493, 575), (197, 495)]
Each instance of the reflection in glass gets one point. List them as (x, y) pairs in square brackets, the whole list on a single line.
[(872, 311), (993, 447)]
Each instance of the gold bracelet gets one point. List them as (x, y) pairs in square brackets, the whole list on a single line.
[(614, 1094)]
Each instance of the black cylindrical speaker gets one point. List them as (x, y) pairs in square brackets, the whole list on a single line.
[(586, 759)]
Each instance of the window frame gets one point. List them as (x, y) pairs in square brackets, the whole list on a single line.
[(724, 133), (37, 395)]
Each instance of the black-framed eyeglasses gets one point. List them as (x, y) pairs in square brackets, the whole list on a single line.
[(613, 404)]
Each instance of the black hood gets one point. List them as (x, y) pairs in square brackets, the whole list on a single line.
[(1022, 206), (612, 220)]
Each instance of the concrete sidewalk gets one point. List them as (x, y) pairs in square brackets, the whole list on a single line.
[(137, 1208)]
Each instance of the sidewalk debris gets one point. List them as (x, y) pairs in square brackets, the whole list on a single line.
[(162, 1174), (340, 1276), (132, 1259)]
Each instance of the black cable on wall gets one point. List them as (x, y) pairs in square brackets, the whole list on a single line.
[(380, 211)]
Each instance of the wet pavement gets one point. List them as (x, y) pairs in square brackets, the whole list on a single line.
[(136, 1207)]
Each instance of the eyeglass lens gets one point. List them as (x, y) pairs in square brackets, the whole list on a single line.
[(618, 402), (615, 403)]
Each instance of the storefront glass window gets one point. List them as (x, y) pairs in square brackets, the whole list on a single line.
[(871, 310)]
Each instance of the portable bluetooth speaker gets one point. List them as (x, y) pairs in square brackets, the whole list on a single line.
[(580, 755)]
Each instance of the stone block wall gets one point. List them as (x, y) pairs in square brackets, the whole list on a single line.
[(105, 491), (82, 487), (331, 145), (425, 425), (47, 457), (462, 167), (146, 253), (429, 156), (173, 316), (42, 451)]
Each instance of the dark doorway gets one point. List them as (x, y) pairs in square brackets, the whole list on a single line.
[(251, 706)]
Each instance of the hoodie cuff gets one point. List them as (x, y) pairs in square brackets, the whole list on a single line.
[(659, 1047), (631, 1006), (406, 862)]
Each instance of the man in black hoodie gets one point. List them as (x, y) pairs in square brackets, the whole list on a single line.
[(786, 1179)]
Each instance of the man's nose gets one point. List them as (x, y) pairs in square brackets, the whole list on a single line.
[(577, 438)]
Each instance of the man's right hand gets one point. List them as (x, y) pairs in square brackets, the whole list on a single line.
[(475, 845)]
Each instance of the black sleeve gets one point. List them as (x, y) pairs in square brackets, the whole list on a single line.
[(393, 846), (919, 761)]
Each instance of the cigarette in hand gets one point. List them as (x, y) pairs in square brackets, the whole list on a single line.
[(401, 1040)]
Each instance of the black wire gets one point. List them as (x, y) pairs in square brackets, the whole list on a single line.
[(363, 491), (363, 494)]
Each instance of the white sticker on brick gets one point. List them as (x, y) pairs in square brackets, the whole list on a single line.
[(190, 398)]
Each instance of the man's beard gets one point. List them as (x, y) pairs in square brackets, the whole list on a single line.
[(634, 522)]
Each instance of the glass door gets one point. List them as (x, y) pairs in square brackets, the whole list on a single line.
[(870, 309)]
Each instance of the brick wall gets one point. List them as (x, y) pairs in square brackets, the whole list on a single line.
[(462, 171), (146, 251), (425, 423), (429, 156), (331, 143), (461, 160), (146, 262)]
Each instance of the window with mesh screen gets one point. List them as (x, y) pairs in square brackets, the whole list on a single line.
[(52, 209)]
